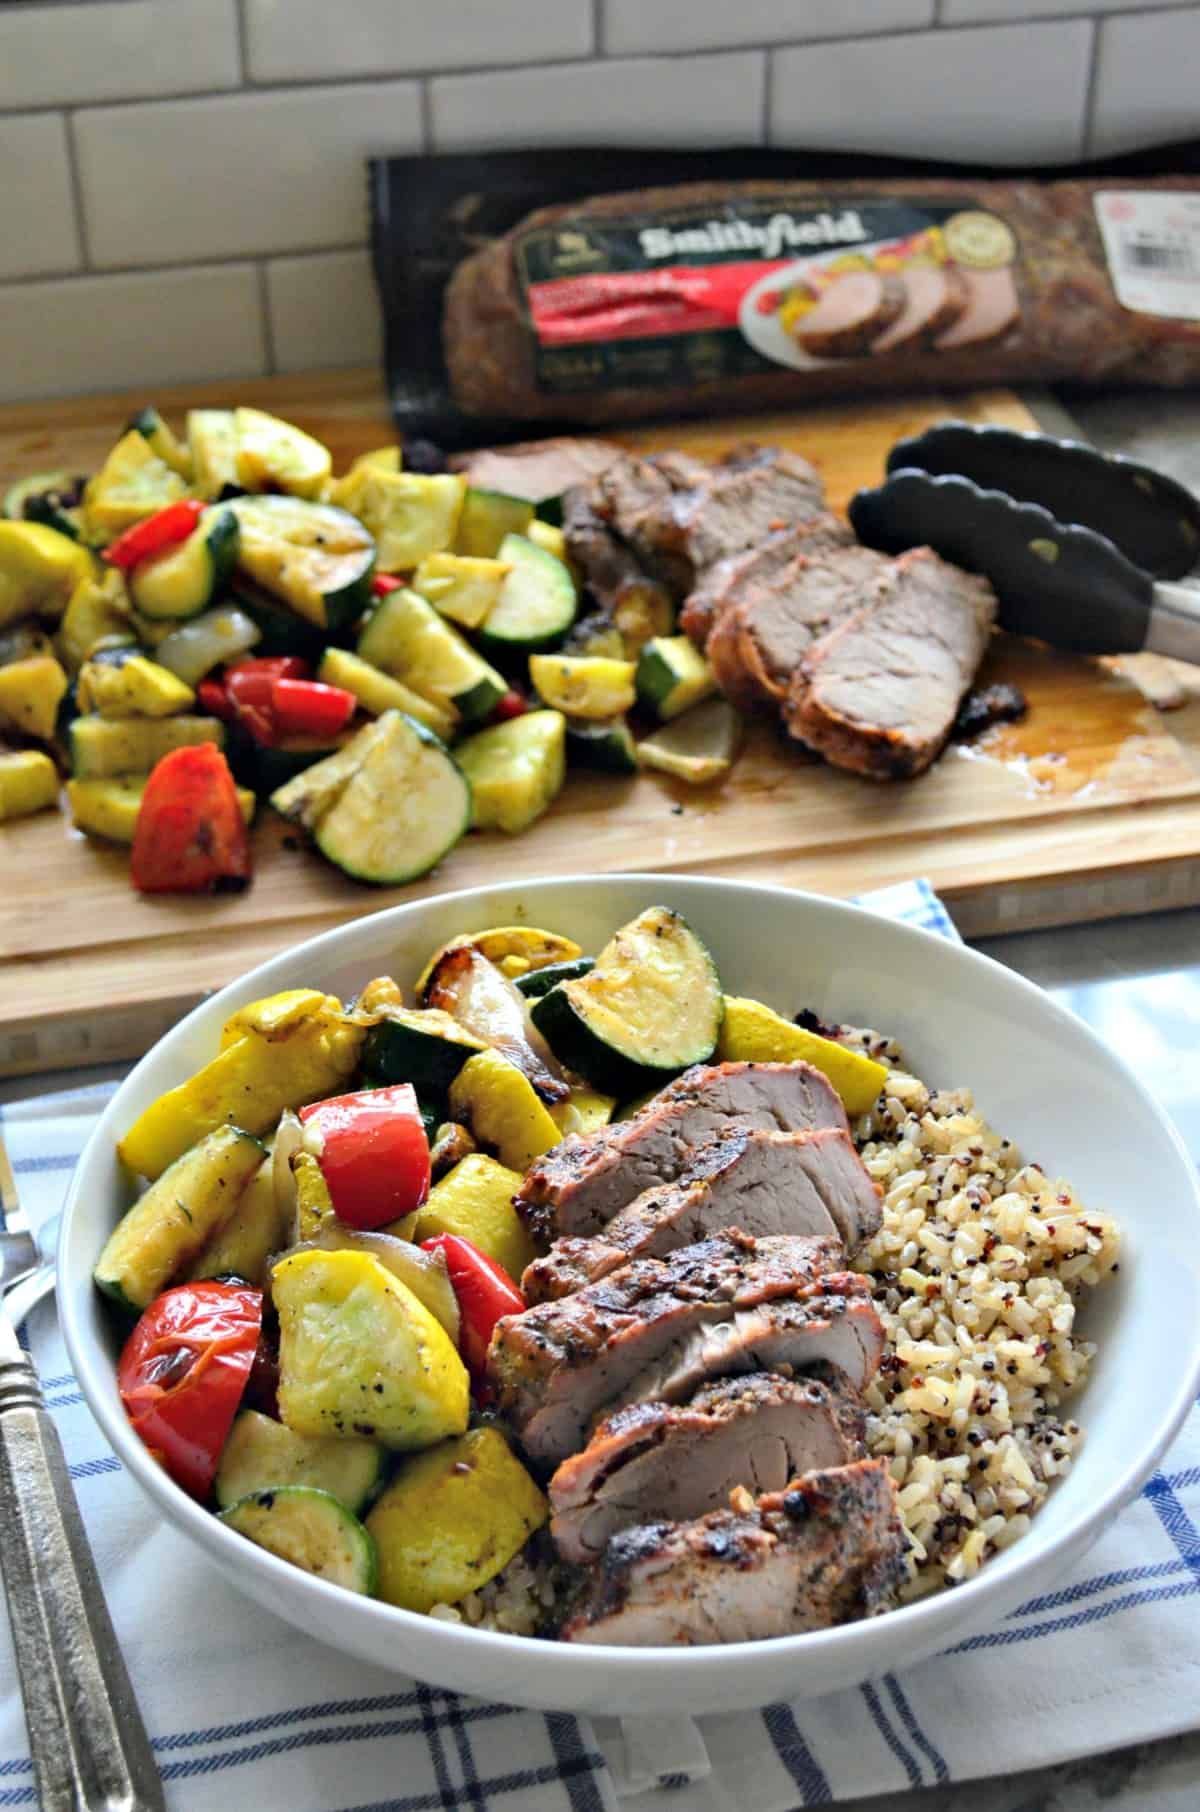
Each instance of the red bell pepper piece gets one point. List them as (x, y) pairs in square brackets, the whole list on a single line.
[(310, 708), (190, 835), (212, 695), (484, 1290), (274, 666), (183, 1372), (153, 536), (512, 704), (373, 1153), (382, 583)]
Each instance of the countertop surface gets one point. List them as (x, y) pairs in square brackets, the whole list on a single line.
[(1137, 982)]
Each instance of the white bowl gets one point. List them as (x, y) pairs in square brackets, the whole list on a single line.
[(1038, 1074)]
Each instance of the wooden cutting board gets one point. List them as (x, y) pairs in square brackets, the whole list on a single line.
[(1089, 808)]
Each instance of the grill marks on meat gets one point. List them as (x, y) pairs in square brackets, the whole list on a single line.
[(657, 1328), (579, 1185), (660, 1460), (764, 1183), (879, 693), (827, 1549)]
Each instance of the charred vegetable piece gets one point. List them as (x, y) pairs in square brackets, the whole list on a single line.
[(313, 1530), (190, 835), (474, 992)]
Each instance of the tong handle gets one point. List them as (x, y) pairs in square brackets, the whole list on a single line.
[(88, 1744)]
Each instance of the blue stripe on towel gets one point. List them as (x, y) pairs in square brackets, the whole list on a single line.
[(908, 1718), (879, 1717), (796, 1755)]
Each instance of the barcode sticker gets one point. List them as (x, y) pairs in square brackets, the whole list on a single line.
[(1152, 243)]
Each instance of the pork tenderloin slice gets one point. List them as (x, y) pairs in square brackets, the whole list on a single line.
[(729, 581), (601, 556), (878, 695), (559, 1365), (850, 315), (579, 1185), (738, 508), (829, 1548), (537, 469), (935, 296), (778, 625), (761, 1182), (992, 307), (682, 1460)]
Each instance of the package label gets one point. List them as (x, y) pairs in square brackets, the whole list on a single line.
[(1152, 244), (711, 292)]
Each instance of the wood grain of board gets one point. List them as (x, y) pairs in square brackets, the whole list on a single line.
[(1089, 808)]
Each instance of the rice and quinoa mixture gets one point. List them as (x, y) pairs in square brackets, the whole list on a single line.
[(980, 1265)]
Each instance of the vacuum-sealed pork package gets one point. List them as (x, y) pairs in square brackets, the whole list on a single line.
[(761, 291)]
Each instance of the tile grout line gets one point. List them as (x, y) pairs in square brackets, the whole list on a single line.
[(425, 96), (224, 261), (268, 323), (599, 29), (241, 39), (1089, 96), (767, 104), (75, 185)]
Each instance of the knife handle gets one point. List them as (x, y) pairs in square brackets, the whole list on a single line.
[(88, 1744)]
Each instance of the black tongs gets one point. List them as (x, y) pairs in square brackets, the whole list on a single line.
[(1078, 544)]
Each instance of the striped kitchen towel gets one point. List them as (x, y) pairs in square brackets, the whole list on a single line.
[(247, 1712)]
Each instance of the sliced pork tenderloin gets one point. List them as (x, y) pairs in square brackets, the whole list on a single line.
[(774, 629), (992, 307), (738, 576), (828, 1549), (580, 1184), (879, 693), (850, 315), (658, 1328), (935, 296), (677, 1461), (761, 1182)]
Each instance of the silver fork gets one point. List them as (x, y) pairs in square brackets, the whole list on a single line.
[(87, 1741)]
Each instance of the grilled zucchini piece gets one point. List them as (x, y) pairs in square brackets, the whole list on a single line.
[(452, 1519), (259, 1226), (672, 676), (312, 1529), (184, 580), (423, 1046), (516, 770), (154, 430), (754, 1033), (359, 1354), (378, 692), (261, 1453), (486, 518), (540, 981), (605, 746), (316, 559), (408, 639), (310, 791), (590, 686), (409, 515), (166, 1228), (96, 613), (699, 747), (274, 455), (403, 809), (651, 1007), (49, 497), (213, 446), (28, 783), (537, 601)]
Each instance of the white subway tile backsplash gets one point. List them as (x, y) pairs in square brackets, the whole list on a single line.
[(241, 174), (1009, 94), (630, 26), (323, 310), (713, 100), (37, 215), (54, 55), (303, 40), (140, 328), (1147, 82)]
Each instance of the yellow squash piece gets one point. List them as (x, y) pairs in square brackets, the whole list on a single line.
[(276, 1014), (584, 685), (379, 459), (258, 1226), (501, 1109), (98, 613), (139, 687), (549, 538), (515, 950), (461, 587), (132, 483), (39, 569), (274, 455), (314, 1209), (250, 1084), (699, 747), (409, 515), (360, 1355), (30, 694), (516, 770), (753, 1033), (474, 1201), (28, 783), (584, 1112), (378, 692), (109, 808), (452, 1519)]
